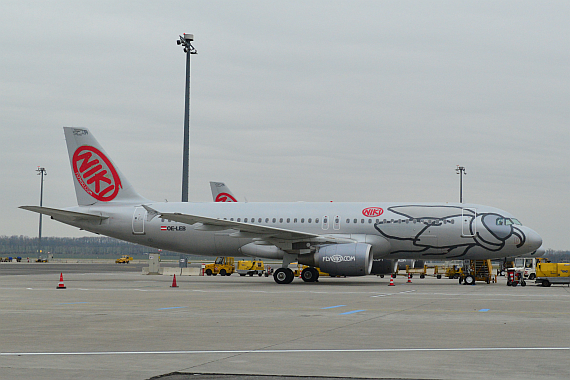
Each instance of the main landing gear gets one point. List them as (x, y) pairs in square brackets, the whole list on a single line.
[(310, 274), (283, 276)]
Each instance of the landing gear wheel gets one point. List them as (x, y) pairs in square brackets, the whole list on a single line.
[(310, 274), (469, 280), (283, 276)]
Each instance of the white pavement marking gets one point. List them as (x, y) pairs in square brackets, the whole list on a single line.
[(291, 351)]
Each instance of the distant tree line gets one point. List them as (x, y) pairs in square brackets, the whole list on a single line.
[(102, 245), (25, 246), (557, 256)]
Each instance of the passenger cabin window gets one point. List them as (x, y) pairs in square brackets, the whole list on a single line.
[(288, 220), (266, 220), (274, 220), (295, 220), (309, 220), (302, 220), (280, 220)]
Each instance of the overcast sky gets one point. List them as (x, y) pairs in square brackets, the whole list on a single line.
[(293, 100)]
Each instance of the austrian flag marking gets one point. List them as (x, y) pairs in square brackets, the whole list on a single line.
[(95, 173), (371, 212)]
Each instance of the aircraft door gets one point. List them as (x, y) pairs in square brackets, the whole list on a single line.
[(325, 222), (138, 220), (336, 225), (468, 222)]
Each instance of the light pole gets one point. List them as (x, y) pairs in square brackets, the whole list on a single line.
[(185, 41), (461, 171), (42, 172)]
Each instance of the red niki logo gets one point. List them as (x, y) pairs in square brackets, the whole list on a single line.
[(225, 197), (95, 173), (372, 212)]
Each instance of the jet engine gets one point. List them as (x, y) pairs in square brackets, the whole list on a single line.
[(351, 259)]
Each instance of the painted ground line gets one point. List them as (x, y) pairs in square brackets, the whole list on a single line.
[(291, 351), (170, 308), (332, 307), (484, 310), (351, 312)]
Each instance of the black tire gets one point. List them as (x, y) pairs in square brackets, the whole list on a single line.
[(250, 274), (208, 272), (460, 280), (523, 283), (223, 272), (439, 276), (546, 283), (422, 276), (532, 276), (283, 276), (310, 275), (508, 282), (469, 280), (242, 274)]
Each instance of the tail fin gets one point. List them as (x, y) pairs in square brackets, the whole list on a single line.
[(95, 176), (221, 193)]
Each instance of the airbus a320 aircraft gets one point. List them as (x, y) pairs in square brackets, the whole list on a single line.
[(339, 238)]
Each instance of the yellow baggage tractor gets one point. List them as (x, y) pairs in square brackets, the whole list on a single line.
[(553, 273)]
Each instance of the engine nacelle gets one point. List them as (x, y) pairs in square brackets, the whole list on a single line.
[(351, 259)]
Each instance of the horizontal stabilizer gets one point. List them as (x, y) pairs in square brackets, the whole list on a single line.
[(64, 214)]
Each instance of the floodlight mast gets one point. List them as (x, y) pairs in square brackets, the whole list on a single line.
[(461, 171), (41, 171), (185, 40)]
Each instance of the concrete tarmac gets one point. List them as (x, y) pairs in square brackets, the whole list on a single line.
[(125, 325)]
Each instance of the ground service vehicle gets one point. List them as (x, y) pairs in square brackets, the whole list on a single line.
[(124, 259), (250, 267), (223, 265), (553, 273)]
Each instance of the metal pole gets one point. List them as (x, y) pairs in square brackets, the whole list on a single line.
[(186, 42), (461, 171), (41, 171), (186, 153)]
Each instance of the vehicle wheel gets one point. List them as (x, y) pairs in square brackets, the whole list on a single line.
[(422, 276), (502, 273), (242, 274), (250, 274), (439, 276), (283, 276), (546, 283), (208, 272), (309, 275), (260, 274), (223, 272), (508, 282), (469, 280), (523, 283), (532, 276), (460, 280)]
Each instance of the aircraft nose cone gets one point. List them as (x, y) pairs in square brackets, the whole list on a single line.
[(533, 240)]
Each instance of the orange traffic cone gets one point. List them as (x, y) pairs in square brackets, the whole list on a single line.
[(391, 281), (174, 282), (409, 278), (60, 285)]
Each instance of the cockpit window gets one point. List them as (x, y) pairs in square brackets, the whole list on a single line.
[(508, 222)]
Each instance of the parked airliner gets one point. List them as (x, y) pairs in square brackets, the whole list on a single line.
[(339, 238)]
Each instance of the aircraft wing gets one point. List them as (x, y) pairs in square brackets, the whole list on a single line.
[(64, 214), (246, 230)]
